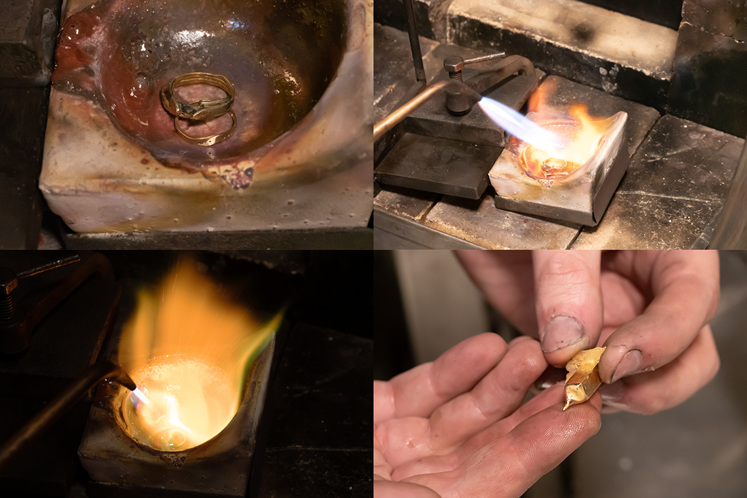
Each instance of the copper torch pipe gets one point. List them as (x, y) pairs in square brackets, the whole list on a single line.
[(62, 403), (405, 109)]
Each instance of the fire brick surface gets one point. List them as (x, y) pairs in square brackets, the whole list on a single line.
[(482, 223), (675, 187), (711, 66), (604, 49), (663, 12), (429, 15), (410, 204)]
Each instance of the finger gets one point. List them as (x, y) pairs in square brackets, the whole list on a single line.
[(686, 293), (450, 460), (652, 392), (505, 279), (496, 396), (388, 489), (421, 390), (382, 468), (510, 465), (569, 302), (499, 393)]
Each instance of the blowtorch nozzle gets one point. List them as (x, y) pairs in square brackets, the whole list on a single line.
[(140, 395), (125, 380)]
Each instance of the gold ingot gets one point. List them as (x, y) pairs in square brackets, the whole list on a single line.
[(582, 379)]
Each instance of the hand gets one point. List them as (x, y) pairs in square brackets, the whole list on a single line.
[(651, 310), (456, 426)]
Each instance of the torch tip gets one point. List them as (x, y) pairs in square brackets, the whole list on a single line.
[(140, 395)]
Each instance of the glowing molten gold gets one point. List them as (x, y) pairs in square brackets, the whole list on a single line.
[(188, 402), (187, 348)]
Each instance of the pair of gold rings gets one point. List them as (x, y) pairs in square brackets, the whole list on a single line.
[(201, 110)]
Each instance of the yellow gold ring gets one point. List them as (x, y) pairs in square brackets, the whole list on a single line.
[(201, 110), (209, 140)]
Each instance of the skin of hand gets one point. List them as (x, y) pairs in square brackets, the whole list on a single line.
[(649, 308), (456, 427)]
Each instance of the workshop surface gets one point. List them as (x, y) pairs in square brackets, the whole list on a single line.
[(318, 418), (677, 181)]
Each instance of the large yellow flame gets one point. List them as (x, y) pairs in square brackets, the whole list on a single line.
[(187, 347)]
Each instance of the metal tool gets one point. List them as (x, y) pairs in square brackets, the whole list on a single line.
[(62, 403), (455, 64), (412, 31), (17, 322), (434, 142), (459, 104), (421, 98)]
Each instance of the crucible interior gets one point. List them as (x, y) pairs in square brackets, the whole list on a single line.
[(104, 171), (541, 165), (181, 402), (279, 55)]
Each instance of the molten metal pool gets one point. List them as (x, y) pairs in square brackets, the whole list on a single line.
[(186, 401)]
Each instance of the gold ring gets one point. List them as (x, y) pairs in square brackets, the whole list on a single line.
[(201, 110), (209, 140)]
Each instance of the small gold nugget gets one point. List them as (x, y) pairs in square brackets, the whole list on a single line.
[(582, 379)]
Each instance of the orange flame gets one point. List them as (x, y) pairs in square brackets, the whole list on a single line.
[(580, 131), (187, 347)]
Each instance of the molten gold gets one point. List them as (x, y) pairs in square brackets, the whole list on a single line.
[(582, 379), (189, 401)]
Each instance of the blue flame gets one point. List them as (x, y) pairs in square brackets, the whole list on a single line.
[(520, 126), (141, 395)]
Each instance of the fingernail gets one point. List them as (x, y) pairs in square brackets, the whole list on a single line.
[(560, 332), (630, 364)]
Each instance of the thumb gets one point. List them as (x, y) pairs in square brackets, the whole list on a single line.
[(569, 302)]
